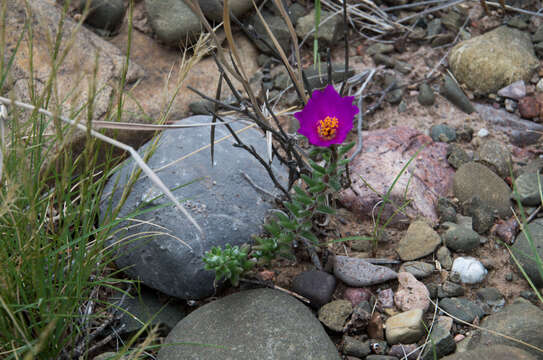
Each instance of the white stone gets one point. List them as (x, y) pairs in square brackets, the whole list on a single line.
[(539, 85), (470, 270), (482, 133)]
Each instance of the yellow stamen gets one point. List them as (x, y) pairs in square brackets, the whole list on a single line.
[(327, 128)]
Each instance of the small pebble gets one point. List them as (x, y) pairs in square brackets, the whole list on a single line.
[(356, 295), (470, 270), (459, 337), (386, 298), (516, 90), (510, 105), (539, 86), (482, 133)]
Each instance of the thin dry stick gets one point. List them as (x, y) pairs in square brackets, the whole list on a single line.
[(154, 178)]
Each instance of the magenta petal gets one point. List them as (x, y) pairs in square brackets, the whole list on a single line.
[(324, 103)]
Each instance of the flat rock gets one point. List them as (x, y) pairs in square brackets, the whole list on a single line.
[(524, 252), (473, 179), (406, 327), (449, 289), (385, 153), (317, 286), (227, 208), (488, 62), (419, 240), (360, 273), (266, 324), (355, 347), (496, 352), (419, 269), (462, 309), (411, 293), (356, 295), (520, 320)]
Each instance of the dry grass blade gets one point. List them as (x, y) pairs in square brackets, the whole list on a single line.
[(293, 36), (97, 124), (3, 119), (154, 178), (297, 83), (234, 51)]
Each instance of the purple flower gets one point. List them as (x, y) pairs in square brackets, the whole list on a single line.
[(327, 117)]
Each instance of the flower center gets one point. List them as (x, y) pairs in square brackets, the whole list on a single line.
[(327, 128)]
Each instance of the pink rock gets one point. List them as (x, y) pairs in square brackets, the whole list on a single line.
[(516, 90), (356, 295), (386, 298), (411, 293), (459, 337), (384, 154)]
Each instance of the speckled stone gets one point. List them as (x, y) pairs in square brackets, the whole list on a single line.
[(358, 272), (334, 314), (411, 293)]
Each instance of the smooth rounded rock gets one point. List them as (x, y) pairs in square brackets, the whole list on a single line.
[(420, 240), (473, 179), (442, 133), (173, 21), (450, 289), (406, 327), (103, 14), (317, 286), (488, 62), (226, 206), (356, 295), (354, 347), (253, 324), (470, 270), (359, 273), (426, 96), (441, 342), (460, 238), (522, 248), (520, 320), (444, 257)]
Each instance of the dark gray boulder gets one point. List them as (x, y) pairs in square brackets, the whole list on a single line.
[(161, 247)]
